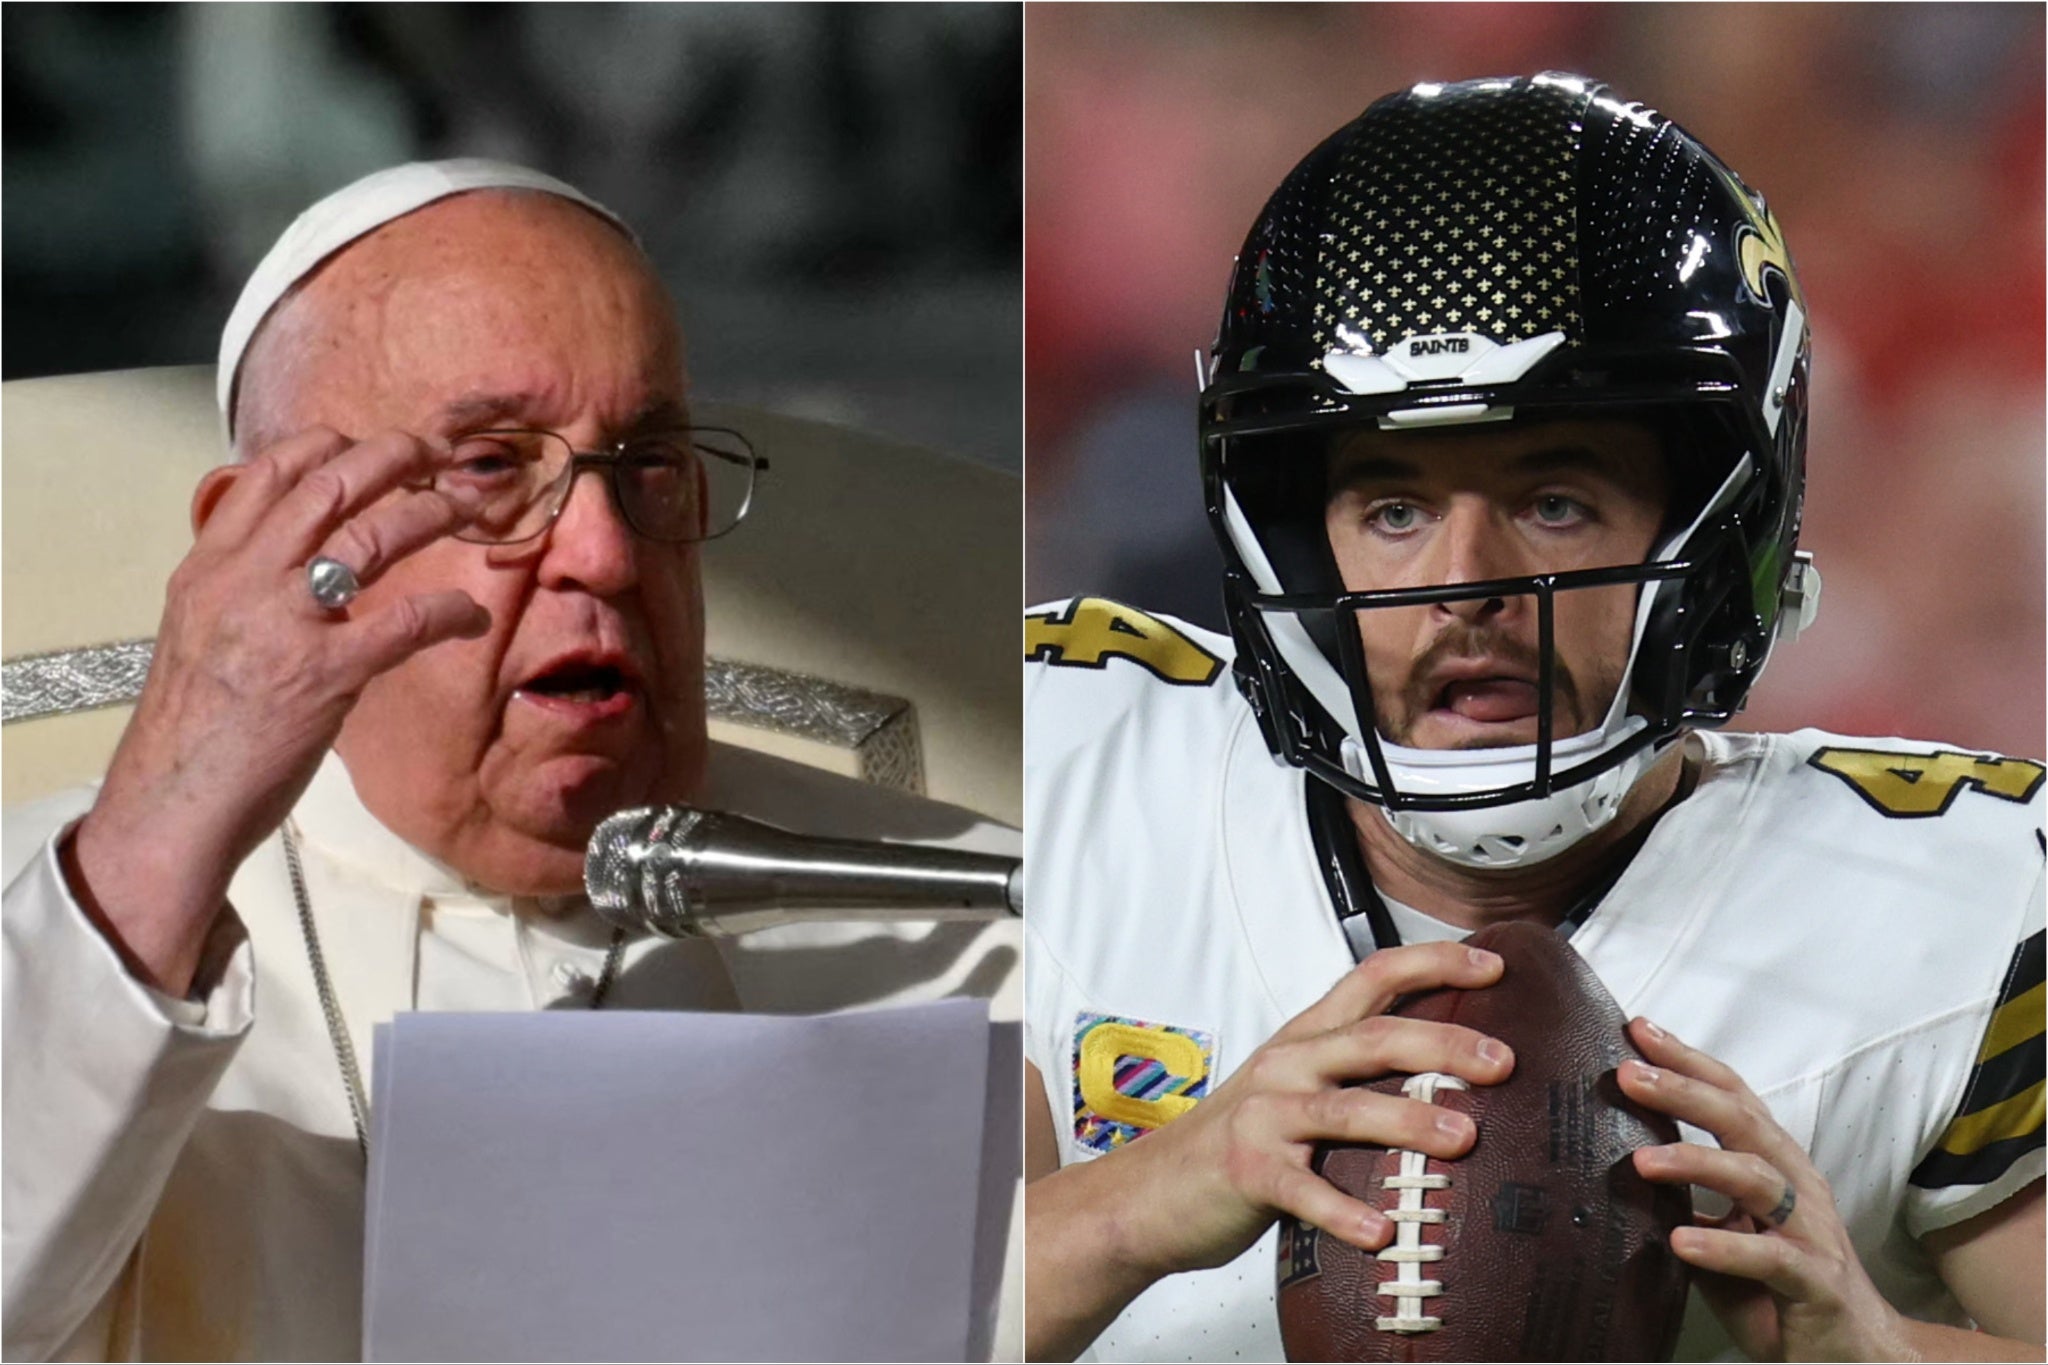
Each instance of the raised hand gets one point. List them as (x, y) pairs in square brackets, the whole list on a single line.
[(252, 678)]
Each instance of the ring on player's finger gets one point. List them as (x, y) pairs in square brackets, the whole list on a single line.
[(1777, 1216), (332, 583)]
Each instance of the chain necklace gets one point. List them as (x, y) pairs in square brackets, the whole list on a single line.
[(330, 1004)]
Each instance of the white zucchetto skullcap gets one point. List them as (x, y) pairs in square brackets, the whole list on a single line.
[(351, 212)]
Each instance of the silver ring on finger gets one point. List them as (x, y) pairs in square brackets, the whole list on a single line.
[(332, 583), (1777, 1217)]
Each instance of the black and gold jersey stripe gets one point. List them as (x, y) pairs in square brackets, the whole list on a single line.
[(2001, 1114)]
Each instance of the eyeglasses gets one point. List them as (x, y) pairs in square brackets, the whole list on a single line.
[(677, 486)]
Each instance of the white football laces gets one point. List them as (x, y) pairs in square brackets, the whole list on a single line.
[(1409, 1252)]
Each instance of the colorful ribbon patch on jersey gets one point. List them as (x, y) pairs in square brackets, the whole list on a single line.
[(1131, 1077), (2001, 1117)]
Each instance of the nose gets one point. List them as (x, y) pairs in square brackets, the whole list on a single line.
[(1475, 546), (589, 546)]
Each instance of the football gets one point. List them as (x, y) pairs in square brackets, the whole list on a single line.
[(1541, 1242)]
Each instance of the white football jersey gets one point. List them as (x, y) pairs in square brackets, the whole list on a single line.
[(1855, 926)]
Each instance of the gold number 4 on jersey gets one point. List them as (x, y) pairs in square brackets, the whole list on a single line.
[(1910, 786), (1096, 630)]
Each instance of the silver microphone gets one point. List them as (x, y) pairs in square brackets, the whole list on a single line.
[(685, 873)]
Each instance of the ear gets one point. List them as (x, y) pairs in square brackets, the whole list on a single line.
[(211, 490)]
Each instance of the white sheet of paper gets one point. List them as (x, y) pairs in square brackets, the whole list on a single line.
[(672, 1186)]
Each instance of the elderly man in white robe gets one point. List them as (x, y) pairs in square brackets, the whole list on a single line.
[(384, 715)]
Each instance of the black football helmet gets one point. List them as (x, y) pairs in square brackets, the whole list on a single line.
[(1506, 250)]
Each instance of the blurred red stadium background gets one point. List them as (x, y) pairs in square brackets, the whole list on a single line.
[(1900, 145)]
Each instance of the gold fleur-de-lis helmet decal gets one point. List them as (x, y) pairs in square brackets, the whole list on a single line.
[(1759, 242)]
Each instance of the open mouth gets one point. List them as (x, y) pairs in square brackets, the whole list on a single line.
[(582, 687), (1488, 700)]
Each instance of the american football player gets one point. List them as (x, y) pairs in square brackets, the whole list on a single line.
[(1503, 439)]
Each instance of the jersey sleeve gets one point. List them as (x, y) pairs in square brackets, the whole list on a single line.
[(1090, 662), (1992, 1145), (1116, 701)]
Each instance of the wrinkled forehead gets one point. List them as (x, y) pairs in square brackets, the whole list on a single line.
[(496, 291), (349, 214)]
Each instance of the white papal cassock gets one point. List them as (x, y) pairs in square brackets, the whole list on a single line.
[(182, 1179)]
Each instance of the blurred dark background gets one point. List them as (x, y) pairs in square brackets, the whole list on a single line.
[(1900, 145), (831, 191)]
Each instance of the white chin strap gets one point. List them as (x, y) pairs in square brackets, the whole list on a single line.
[(1518, 833)]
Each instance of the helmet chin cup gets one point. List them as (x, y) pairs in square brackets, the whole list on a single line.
[(1520, 833)]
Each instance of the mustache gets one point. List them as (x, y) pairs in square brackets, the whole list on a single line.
[(1469, 642)]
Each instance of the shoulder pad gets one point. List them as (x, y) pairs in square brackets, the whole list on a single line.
[(1091, 663), (1096, 633)]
